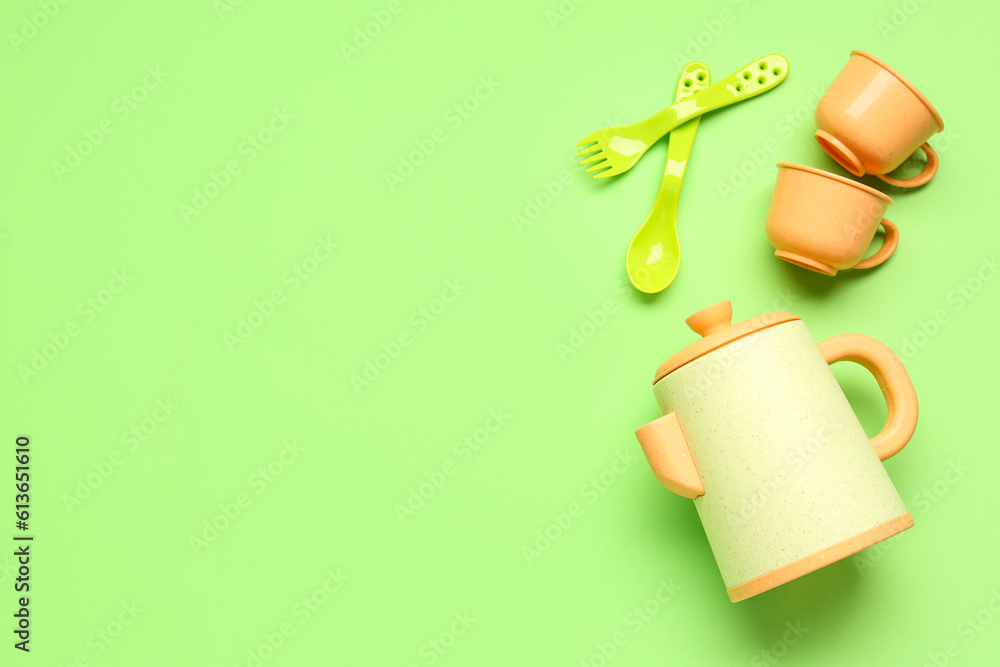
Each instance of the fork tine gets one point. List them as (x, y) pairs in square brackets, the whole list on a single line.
[(599, 166), (589, 139), (590, 149), (609, 172), (597, 157)]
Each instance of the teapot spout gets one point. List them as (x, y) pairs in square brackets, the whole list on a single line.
[(669, 456)]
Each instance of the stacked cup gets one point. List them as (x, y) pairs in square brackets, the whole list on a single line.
[(870, 121)]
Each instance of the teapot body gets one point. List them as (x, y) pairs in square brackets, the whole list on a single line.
[(789, 481)]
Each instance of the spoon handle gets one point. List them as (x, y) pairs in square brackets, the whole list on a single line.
[(694, 78)]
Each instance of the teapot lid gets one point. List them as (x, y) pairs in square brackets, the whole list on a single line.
[(715, 326)]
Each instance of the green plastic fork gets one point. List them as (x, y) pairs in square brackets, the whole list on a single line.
[(615, 150), (655, 254)]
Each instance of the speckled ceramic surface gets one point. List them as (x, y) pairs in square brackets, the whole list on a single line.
[(787, 468)]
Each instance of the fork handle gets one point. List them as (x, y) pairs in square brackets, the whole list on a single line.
[(751, 80)]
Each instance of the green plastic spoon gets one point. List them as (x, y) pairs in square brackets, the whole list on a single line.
[(654, 254)]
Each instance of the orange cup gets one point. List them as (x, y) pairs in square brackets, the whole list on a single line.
[(825, 222), (872, 119)]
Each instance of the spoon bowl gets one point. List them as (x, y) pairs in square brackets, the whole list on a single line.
[(654, 255)]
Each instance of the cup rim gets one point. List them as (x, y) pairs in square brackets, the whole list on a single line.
[(913, 89), (836, 177)]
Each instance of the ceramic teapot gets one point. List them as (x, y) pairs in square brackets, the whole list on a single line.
[(756, 429)]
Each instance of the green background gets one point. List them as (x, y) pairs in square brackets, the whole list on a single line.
[(501, 221)]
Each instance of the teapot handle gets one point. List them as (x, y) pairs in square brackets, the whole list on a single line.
[(900, 396), (669, 456)]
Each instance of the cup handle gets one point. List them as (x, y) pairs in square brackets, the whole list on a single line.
[(888, 246), (927, 174), (669, 456), (900, 396)]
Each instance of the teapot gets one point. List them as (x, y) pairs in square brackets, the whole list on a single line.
[(758, 432)]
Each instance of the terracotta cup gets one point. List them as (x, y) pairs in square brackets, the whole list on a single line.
[(825, 222), (872, 119)]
